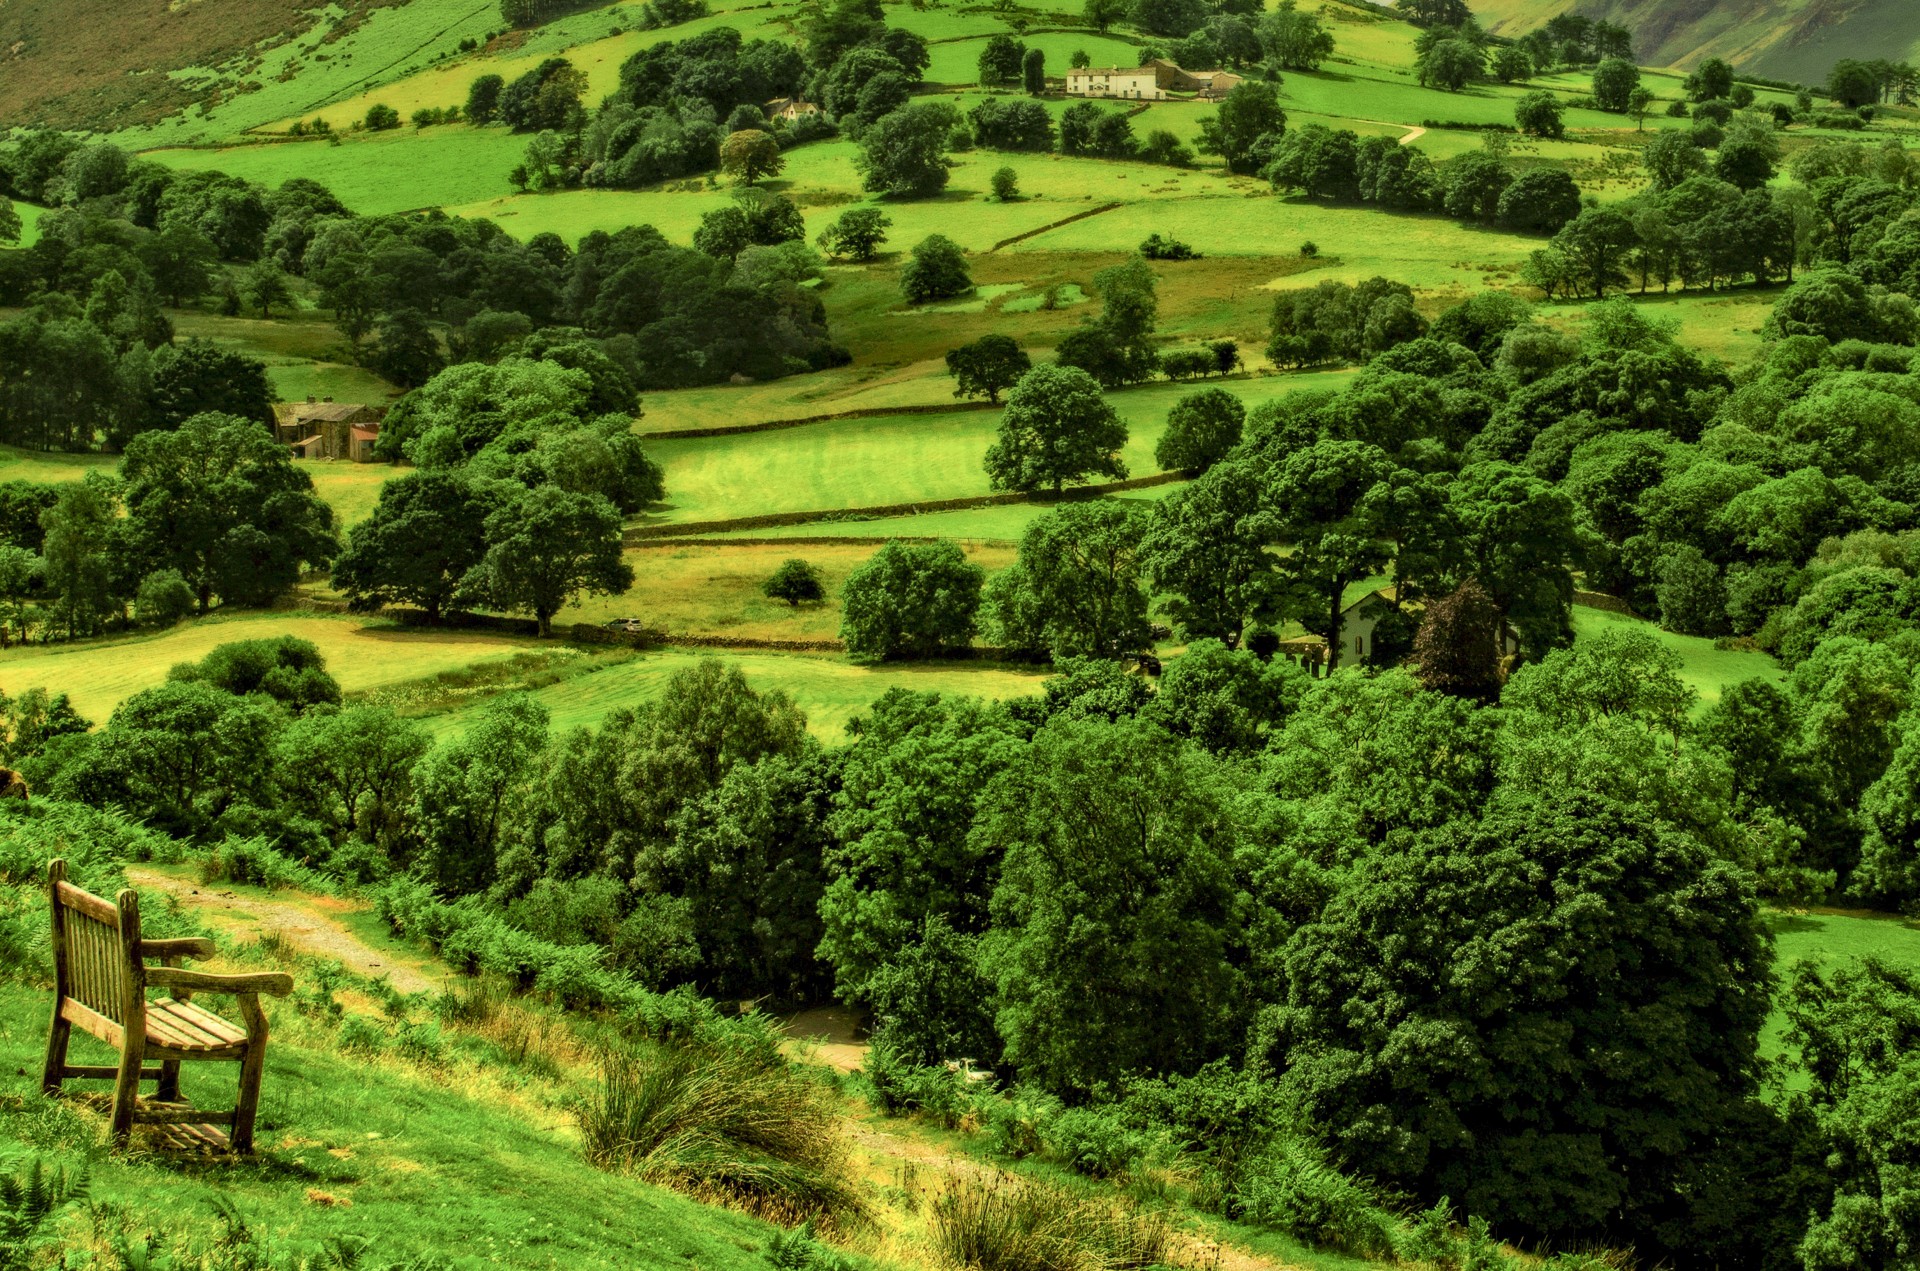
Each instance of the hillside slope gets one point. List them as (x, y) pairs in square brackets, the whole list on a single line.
[(113, 64), (1781, 39)]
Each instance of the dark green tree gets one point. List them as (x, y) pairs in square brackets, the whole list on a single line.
[(1413, 1038), (546, 547), (219, 500), (937, 270), (987, 366), (1115, 915), (911, 600), (1202, 429), (426, 532), (1056, 428)]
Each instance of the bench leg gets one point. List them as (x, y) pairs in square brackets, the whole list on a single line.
[(169, 1087), (57, 1036), (251, 1066), (126, 1090)]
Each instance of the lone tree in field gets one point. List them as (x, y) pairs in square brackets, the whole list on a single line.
[(1613, 83), (857, 235), (937, 271), (1201, 428), (483, 99), (1056, 428), (911, 600), (1033, 71), (547, 547), (1538, 115), (265, 286), (795, 581), (1001, 61), (1457, 649), (988, 365), (904, 154), (1006, 184), (750, 154)]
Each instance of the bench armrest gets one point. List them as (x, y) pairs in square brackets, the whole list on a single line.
[(277, 983), (180, 947)]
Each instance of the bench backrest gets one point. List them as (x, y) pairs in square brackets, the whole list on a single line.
[(96, 946)]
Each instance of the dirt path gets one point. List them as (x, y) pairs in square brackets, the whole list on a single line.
[(304, 923)]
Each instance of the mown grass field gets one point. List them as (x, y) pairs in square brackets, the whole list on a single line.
[(715, 590), (361, 653), (1708, 670), (830, 689)]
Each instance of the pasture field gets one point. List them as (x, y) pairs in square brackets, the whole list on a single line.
[(363, 654), (1708, 670), (1003, 524), (831, 690), (881, 461), (302, 350), (400, 170), (715, 590)]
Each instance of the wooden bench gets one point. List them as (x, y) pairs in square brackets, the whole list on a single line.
[(101, 978)]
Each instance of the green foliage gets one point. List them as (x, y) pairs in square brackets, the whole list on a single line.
[(903, 154), (911, 600), (857, 234), (722, 1123), (545, 548), (1056, 428), (936, 270), (987, 366), (1202, 428), (1002, 1223), (796, 580), (30, 1197), (1080, 569), (1114, 870), (1656, 897), (1289, 1186)]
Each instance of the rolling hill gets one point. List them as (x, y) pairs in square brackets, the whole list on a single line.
[(1780, 39)]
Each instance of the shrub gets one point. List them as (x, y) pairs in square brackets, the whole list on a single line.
[(381, 118), (1095, 1142), (898, 1086), (936, 271), (1006, 185), (1016, 1122), (1157, 247), (1290, 1187), (254, 862), (1309, 249), (722, 1124), (795, 581), (362, 1034), (163, 599), (1007, 1224)]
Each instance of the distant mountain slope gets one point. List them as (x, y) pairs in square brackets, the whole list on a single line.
[(108, 64), (1780, 39)]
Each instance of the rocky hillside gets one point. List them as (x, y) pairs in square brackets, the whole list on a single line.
[(108, 64), (1781, 39)]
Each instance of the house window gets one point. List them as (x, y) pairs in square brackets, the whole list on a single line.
[(1360, 644)]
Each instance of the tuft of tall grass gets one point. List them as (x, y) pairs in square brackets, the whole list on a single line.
[(722, 1123), (1002, 1223)]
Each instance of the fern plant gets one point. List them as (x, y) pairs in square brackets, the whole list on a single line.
[(29, 1199)]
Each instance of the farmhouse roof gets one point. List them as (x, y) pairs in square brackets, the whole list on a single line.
[(318, 412)]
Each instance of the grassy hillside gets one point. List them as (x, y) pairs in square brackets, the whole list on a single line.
[(1781, 39)]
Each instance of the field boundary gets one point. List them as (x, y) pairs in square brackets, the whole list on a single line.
[(774, 425), (1047, 229), (639, 533), (821, 540)]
